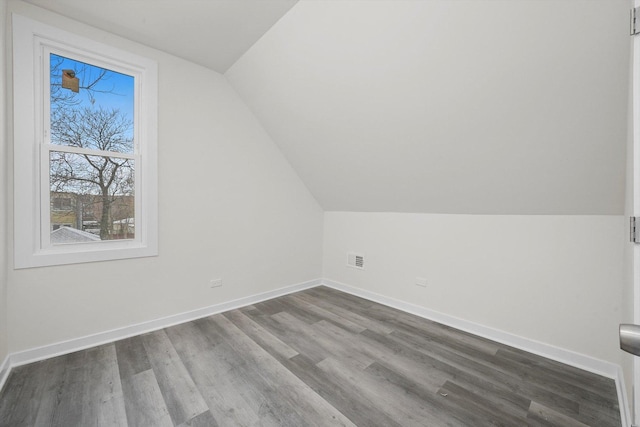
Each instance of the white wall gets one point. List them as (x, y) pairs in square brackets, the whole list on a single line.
[(554, 279), (3, 182), (231, 207)]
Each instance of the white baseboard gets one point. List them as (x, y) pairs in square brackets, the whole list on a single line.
[(5, 368), (65, 347), (578, 360)]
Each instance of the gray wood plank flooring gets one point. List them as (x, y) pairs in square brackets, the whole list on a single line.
[(318, 357)]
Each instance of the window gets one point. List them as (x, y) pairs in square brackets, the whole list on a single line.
[(61, 204), (85, 180)]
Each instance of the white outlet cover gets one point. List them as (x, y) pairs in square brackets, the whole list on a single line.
[(215, 283), (421, 281)]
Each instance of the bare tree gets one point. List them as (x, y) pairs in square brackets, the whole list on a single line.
[(108, 177)]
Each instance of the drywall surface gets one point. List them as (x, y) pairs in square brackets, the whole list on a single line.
[(468, 107), (230, 207), (3, 184), (210, 33), (558, 280)]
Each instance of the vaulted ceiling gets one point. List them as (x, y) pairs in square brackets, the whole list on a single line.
[(479, 107), (212, 33), (472, 107)]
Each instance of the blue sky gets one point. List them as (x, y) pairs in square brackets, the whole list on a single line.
[(119, 87)]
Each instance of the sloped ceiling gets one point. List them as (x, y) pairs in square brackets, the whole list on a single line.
[(473, 107), (213, 33), (443, 106)]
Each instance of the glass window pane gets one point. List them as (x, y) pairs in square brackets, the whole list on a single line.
[(91, 107), (92, 198)]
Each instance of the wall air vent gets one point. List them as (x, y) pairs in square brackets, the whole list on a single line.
[(355, 260)]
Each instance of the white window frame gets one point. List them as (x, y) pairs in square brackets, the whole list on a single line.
[(32, 42)]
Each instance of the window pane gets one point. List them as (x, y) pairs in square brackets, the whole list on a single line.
[(91, 107), (92, 198)]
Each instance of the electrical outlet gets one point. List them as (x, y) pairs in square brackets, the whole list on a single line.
[(215, 283), (421, 281)]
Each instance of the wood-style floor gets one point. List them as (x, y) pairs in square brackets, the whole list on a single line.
[(314, 358)]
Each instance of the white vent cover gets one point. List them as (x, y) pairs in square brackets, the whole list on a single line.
[(355, 260)]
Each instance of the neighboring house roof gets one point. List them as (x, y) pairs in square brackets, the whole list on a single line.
[(71, 235)]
